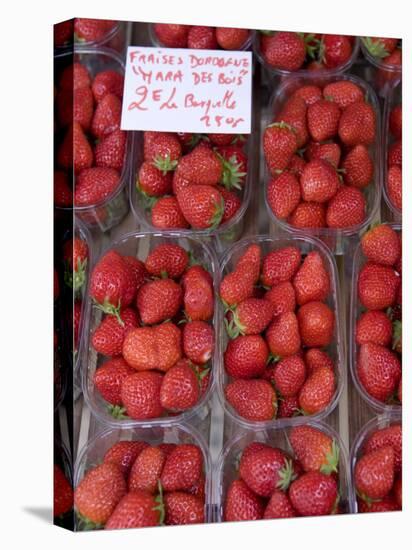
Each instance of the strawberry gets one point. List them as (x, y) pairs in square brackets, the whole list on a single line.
[(136, 509), (75, 152), (314, 494), (146, 470), (328, 152), (389, 436), (394, 59), (283, 194), (198, 297), (315, 358), (357, 124), (288, 407), (222, 139), (92, 30), (140, 394), (379, 371), (202, 206), (167, 448), (94, 185), (201, 166), (308, 215), (124, 453), (198, 488), (343, 92), (336, 50), (251, 316), (158, 347), (252, 399), (108, 337), (346, 208), (110, 151), (180, 388), (310, 93), (395, 122), (183, 468), (106, 118), (289, 375), (107, 82), (279, 506), (163, 149), (323, 119), (138, 270), (377, 286), (379, 46), (283, 335), (296, 165), (394, 186), (317, 391), (62, 33), (183, 509), (109, 377), (63, 195), (316, 324), (246, 356), (314, 449), (158, 300), (382, 245), (280, 265), (293, 114), (171, 36), (62, 493), (198, 341), (374, 327), (82, 107), (395, 153), (282, 297), (231, 39), (237, 286), (166, 214), (99, 492), (374, 474), (319, 181), (279, 146), (387, 504), (201, 38), (235, 165), (283, 50), (75, 255), (358, 167), (242, 504), (311, 281), (249, 262), (232, 204), (399, 392), (168, 259), (74, 76)]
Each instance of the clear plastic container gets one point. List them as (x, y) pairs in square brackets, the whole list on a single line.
[(334, 238), (93, 452), (116, 39), (335, 349), (356, 309), (140, 245), (393, 98), (377, 423), (382, 76), (109, 212), (226, 467)]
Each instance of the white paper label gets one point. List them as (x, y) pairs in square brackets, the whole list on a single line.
[(183, 90)]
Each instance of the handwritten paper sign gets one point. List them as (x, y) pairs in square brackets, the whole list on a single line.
[(183, 90)]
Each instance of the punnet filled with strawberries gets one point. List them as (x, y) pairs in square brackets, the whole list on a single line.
[(227, 304)]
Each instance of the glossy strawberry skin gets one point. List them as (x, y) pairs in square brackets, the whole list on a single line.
[(62, 493), (311, 446), (198, 341), (108, 337), (110, 152), (169, 258), (308, 215), (136, 509), (202, 206), (109, 377), (323, 119), (183, 509), (310, 93), (180, 390), (293, 114), (389, 436), (312, 281), (313, 494), (315, 358), (280, 265), (358, 167), (107, 82), (262, 470), (316, 324), (246, 356), (283, 194), (329, 152), (91, 30), (347, 208), (283, 336), (112, 281), (158, 300), (172, 36), (166, 214), (106, 118), (357, 124), (374, 473), (337, 50), (374, 327), (146, 470), (231, 39), (232, 204), (284, 50), (124, 453), (279, 506), (382, 245), (379, 371), (94, 185), (289, 375), (394, 186), (377, 286), (253, 315), (198, 294), (201, 38), (318, 390), (252, 399), (140, 394), (387, 504), (183, 468), (201, 166), (241, 503), (395, 122), (279, 145), (282, 298), (343, 92)]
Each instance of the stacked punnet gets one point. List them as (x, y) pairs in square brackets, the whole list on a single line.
[(394, 158), (199, 37)]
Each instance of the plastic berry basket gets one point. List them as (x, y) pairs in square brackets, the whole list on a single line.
[(383, 76), (335, 238), (116, 39), (306, 244), (225, 470), (376, 423), (393, 98), (140, 245), (94, 450), (109, 212), (355, 310)]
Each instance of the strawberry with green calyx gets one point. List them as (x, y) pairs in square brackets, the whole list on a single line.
[(234, 163), (202, 206), (293, 113), (136, 509), (109, 335), (378, 46), (163, 149), (251, 316), (374, 474), (75, 255), (314, 449), (314, 494), (109, 377), (335, 50)]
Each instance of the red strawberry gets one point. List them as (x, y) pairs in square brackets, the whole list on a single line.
[(198, 294), (168, 259), (252, 399), (242, 504), (310, 93), (337, 50), (92, 30), (394, 186), (249, 262), (83, 107), (201, 38), (343, 92), (75, 255), (377, 286), (109, 377), (138, 270), (136, 509), (124, 453), (395, 153), (222, 139), (282, 297), (319, 181), (63, 195), (389, 436), (106, 118), (379, 371), (379, 46), (296, 165), (323, 119), (246, 356), (317, 391), (357, 124), (387, 504), (289, 375), (202, 206), (171, 36), (107, 82), (316, 324), (279, 146), (75, 151), (163, 149), (237, 286), (167, 448), (140, 394), (158, 300), (328, 152), (94, 185), (231, 39), (251, 316), (166, 214), (311, 281), (314, 449), (315, 358), (283, 194), (108, 337), (232, 203), (283, 50), (198, 488), (235, 164), (183, 468), (99, 492), (283, 335), (146, 470), (288, 407), (314, 494), (62, 493), (280, 265), (374, 473), (308, 214), (110, 152), (374, 327), (382, 245), (180, 388), (62, 33), (74, 76), (279, 506), (358, 167), (201, 166), (198, 341), (395, 122), (346, 208), (293, 114), (183, 509)]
